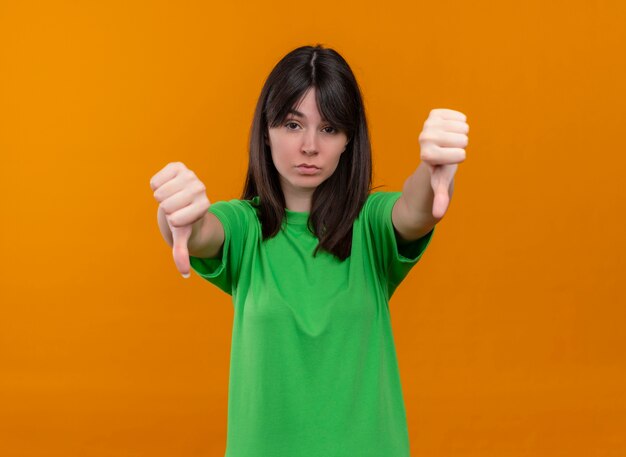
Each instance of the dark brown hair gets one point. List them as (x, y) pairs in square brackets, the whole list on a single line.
[(337, 201)]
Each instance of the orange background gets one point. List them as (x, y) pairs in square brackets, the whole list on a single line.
[(510, 332)]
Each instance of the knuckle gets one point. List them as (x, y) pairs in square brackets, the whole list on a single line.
[(174, 220), (427, 154), (177, 166), (427, 136)]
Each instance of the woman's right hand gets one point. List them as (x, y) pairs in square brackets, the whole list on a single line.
[(182, 197)]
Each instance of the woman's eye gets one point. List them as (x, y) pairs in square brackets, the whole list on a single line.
[(294, 126)]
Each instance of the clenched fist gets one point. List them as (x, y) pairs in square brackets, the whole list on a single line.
[(442, 142), (182, 197)]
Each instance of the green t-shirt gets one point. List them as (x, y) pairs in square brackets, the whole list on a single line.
[(313, 369)]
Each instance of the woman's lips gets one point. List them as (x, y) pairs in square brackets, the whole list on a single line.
[(307, 169)]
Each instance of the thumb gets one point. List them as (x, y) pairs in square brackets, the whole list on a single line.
[(180, 236), (440, 183)]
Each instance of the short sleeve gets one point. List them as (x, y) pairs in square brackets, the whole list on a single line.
[(223, 271), (393, 261)]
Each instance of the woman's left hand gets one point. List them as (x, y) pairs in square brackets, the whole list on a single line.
[(443, 141)]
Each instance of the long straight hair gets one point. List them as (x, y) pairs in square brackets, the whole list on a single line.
[(337, 201)]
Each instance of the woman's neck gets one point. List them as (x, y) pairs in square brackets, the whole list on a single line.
[(300, 202)]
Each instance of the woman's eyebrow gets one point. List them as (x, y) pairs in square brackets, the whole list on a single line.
[(297, 113)]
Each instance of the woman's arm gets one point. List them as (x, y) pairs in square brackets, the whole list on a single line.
[(412, 213), (210, 240)]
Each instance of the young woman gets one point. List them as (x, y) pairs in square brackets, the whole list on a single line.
[(311, 258)]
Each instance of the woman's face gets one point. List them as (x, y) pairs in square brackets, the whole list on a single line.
[(305, 148)]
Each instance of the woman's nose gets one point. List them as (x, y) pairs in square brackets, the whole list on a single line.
[(309, 144)]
